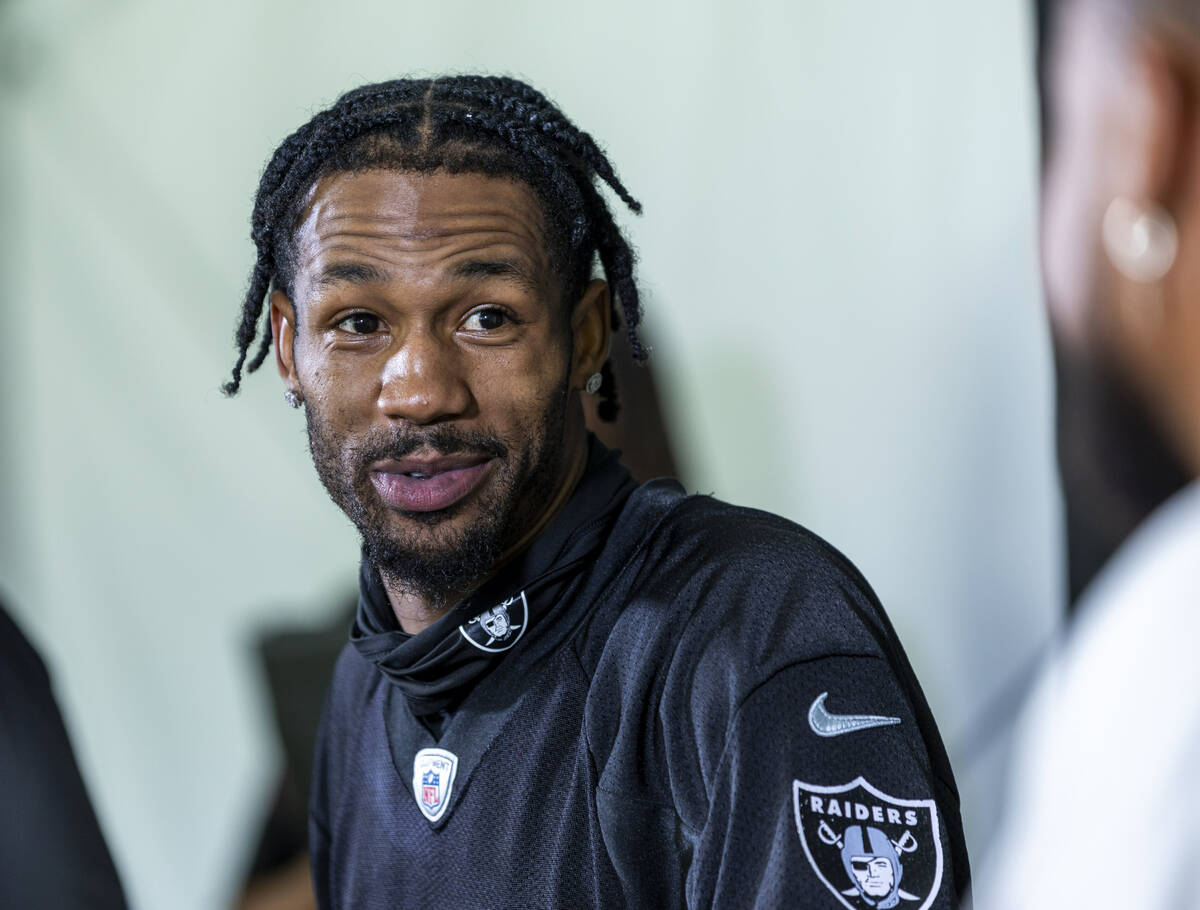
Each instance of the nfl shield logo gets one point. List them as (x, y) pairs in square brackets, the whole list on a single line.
[(870, 849), (429, 791), (433, 776)]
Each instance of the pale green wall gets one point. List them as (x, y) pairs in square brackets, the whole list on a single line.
[(838, 248)]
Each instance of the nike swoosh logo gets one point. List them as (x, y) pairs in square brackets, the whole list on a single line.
[(825, 724)]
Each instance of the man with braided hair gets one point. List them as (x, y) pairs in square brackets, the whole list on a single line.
[(562, 689)]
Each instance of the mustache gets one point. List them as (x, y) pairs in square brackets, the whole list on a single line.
[(443, 440)]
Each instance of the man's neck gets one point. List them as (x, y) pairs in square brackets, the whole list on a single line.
[(418, 610)]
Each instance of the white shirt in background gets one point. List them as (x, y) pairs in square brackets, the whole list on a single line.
[(1104, 801)]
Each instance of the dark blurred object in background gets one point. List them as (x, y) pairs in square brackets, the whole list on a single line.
[(640, 432), (52, 853), (298, 664)]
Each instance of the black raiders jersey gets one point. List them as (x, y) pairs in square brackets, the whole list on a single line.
[(669, 702)]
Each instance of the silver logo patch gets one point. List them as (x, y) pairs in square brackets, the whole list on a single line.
[(433, 780), (825, 724), (499, 628)]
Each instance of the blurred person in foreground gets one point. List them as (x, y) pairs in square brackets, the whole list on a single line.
[(52, 853), (1104, 808), (562, 688)]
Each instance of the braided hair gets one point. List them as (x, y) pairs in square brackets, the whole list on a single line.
[(491, 125)]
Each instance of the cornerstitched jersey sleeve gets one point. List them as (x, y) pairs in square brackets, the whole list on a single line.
[(819, 793)]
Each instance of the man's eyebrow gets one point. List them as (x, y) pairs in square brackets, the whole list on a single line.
[(507, 269), (350, 273)]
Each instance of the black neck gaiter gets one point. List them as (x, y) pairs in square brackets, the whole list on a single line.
[(436, 668)]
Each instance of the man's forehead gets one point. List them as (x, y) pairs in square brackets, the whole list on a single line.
[(396, 217), (420, 206)]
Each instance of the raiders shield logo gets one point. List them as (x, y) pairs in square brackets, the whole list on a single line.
[(433, 776), (871, 849), (499, 628)]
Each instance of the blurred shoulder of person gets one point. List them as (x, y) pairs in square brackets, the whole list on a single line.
[(52, 852), (1106, 758), (1103, 791)]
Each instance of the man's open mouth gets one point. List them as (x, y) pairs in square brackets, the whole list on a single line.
[(428, 484)]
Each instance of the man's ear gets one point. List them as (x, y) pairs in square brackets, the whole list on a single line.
[(283, 333), (1152, 155), (590, 332)]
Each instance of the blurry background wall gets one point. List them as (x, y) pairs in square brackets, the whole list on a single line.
[(839, 257)]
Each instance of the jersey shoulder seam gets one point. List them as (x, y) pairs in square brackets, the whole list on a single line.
[(650, 803)]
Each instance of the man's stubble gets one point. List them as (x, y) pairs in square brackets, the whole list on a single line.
[(426, 554)]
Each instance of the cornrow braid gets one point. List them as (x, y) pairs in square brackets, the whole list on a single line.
[(493, 125)]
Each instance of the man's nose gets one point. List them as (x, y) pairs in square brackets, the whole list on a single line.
[(423, 381)]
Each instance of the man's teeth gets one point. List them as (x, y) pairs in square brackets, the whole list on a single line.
[(418, 475)]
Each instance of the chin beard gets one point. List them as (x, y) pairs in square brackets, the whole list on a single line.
[(429, 557), (438, 574), (1116, 464)]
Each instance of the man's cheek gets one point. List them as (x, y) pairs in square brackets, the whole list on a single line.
[(517, 396)]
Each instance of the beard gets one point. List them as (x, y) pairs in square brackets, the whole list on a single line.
[(443, 553), (1115, 463)]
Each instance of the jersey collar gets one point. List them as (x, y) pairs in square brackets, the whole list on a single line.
[(436, 668)]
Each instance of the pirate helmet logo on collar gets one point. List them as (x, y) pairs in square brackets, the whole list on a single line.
[(499, 628), (871, 849)]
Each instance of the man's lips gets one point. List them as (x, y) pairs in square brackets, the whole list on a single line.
[(417, 484)]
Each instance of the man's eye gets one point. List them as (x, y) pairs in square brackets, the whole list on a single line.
[(486, 320), (360, 323)]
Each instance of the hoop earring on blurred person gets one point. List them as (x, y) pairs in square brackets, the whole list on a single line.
[(1141, 241)]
